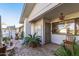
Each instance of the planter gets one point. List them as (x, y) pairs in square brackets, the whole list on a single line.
[(33, 40), (33, 45), (68, 42), (69, 45)]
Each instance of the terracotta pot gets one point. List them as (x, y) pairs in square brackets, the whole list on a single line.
[(33, 45), (68, 42)]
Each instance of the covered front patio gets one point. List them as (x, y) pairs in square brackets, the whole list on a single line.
[(54, 29)]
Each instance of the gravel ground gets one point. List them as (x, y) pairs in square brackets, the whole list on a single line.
[(45, 50)]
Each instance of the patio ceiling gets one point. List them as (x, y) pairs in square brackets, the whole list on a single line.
[(66, 8)]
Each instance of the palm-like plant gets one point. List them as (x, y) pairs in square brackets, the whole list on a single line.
[(33, 40)]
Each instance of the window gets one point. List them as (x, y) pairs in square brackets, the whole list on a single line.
[(59, 28), (66, 27), (77, 26), (38, 29), (54, 28), (62, 29), (71, 28)]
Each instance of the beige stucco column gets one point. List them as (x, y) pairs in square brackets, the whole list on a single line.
[(0, 33)]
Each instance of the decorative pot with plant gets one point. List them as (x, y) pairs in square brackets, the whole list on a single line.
[(32, 40)]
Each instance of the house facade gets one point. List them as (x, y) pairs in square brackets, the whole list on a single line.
[(52, 21), (9, 31)]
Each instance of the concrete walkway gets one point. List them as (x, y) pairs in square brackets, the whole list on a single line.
[(45, 50)]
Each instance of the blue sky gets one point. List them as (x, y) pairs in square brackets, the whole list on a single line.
[(10, 13)]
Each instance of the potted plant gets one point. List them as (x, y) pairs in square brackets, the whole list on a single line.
[(33, 40)]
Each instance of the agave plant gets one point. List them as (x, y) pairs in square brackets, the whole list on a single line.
[(64, 51), (32, 40)]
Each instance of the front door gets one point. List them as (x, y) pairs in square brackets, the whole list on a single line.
[(47, 33)]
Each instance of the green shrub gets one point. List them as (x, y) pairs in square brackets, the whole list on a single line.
[(32, 40), (6, 40), (62, 51)]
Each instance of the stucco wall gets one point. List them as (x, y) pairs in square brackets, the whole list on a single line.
[(27, 27), (37, 27), (57, 38), (32, 28)]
